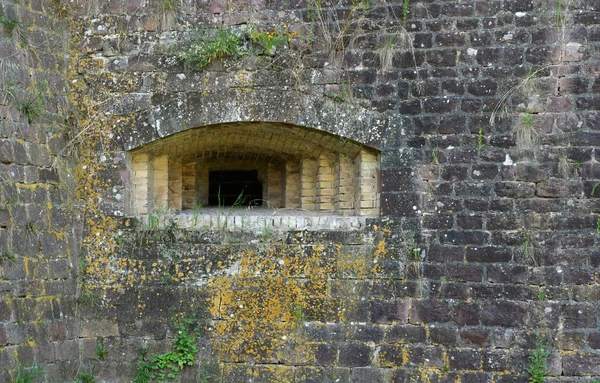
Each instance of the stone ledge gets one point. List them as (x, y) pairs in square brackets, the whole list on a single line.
[(259, 220)]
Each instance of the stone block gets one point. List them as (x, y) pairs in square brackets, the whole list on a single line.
[(97, 328)]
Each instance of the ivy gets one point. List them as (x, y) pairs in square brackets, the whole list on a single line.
[(166, 366)]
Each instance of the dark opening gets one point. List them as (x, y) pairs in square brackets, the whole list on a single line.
[(234, 188)]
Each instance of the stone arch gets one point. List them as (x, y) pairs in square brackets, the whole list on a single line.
[(166, 113), (299, 168)]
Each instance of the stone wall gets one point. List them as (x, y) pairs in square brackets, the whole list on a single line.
[(39, 229), (485, 114)]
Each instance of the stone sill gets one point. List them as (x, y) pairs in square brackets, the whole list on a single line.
[(261, 219)]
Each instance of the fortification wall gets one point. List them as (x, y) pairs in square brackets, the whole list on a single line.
[(480, 248)]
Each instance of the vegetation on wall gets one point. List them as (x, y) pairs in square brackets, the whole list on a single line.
[(165, 367)]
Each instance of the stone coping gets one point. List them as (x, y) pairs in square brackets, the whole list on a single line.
[(260, 219)]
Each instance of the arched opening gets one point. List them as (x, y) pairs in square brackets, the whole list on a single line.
[(262, 165)]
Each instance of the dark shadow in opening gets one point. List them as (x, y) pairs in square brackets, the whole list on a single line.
[(234, 188)]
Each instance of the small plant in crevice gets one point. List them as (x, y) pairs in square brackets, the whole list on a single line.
[(61, 8), (8, 24), (542, 295), (8, 256), (528, 251), (405, 9), (101, 351), (386, 52), (537, 369), (598, 226), (31, 103), (166, 12), (435, 154), (86, 376), (31, 227), (565, 167), (480, 140), (167, 365), (525, 131), (298, 315), (559, 13), (22, 375), (593, 193)]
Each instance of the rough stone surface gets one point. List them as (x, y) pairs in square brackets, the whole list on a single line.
[(485, 116)]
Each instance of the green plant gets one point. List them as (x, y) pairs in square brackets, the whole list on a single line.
[(480, 140), (598, 226), (86, 376), (196, 212), (9, 256), (405, 8), (299, 315), (538, 361), (269, 41), (525, 132), (542, 295), (559, 12), (226, 43), (32, 103), (565, 169), (24, 376), (167, 365), (435, 153), (8, 24), (205, 374), (594, 188), (386, 53), (528, 252), (101, 351), (31, 227)]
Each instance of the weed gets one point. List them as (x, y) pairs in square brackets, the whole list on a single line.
[(542, 295), (101, 351), (269, 41), (526, 134), (205, 375), (167, 365), (594, 188), (196, 212), (480, 140), (85, 377), (88, 298), (386, 53), (528, 252), (8, 24), (538, 361), (31, 227), (405, 8), (435, 153), (226, 43), (598, 226), (299, 315), (166, 12), (565, 168), (30, 103), (559, 12), (62, 8), (445, 369), (23, 376), (9, 256), (267, 234)]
